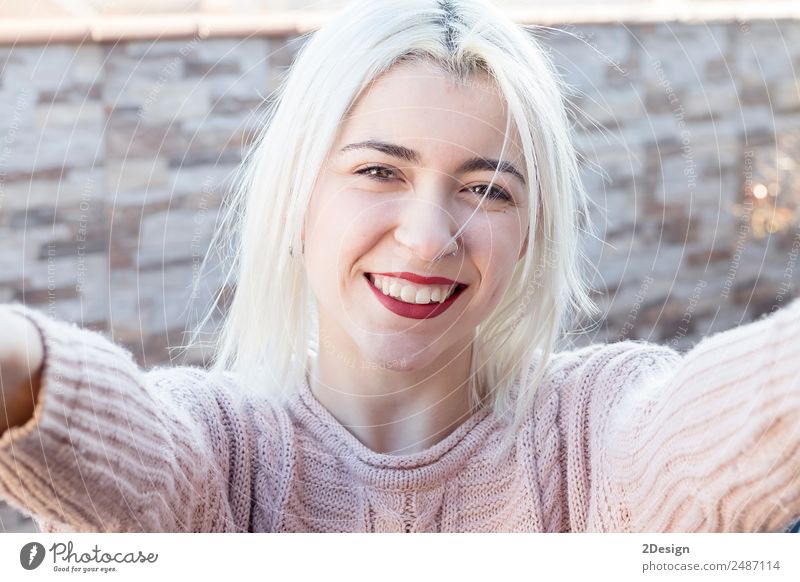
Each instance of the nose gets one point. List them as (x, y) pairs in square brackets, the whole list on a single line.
[(425, 229)]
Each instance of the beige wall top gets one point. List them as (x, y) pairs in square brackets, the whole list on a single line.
[(112, 28)]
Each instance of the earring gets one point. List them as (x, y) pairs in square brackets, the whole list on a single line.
[(302, 248)]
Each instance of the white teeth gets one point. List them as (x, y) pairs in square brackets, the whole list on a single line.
[(394, 289), (410, 293)]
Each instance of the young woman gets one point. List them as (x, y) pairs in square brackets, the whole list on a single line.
[(406, 257)]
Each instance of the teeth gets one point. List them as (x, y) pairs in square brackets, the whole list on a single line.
[(410, 293)]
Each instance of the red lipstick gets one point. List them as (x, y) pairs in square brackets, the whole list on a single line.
[(413, 310)]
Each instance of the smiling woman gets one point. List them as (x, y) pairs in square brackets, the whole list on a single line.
[(405, 256), (407, 147)]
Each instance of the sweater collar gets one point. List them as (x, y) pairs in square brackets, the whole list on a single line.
[(386, 470)]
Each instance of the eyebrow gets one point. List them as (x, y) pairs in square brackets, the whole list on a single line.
[(397, 151)]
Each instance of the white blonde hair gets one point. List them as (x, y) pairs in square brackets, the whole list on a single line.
[(270, 325)]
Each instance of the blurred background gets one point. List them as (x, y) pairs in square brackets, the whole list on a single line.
[(122, 123)]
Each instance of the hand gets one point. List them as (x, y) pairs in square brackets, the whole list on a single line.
[(21, 359)]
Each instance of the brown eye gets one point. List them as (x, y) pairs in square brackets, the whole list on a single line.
[(372, 172), (495, 193)]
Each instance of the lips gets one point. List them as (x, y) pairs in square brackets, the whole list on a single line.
[(413, 310)]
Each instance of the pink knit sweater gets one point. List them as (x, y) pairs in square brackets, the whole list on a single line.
[(629, 436)]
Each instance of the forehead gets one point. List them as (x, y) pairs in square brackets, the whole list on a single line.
[(418, 102)]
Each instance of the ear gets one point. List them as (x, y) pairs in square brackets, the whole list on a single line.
[(524, 248)]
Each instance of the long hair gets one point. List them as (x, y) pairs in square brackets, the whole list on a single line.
[(270, 328)]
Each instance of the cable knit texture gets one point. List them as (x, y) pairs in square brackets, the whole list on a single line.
[(629, 436)]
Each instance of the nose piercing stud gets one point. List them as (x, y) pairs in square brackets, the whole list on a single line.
[(455, 252)]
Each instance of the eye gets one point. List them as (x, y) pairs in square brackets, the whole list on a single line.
[(495, 193), (368, 172), (373, 172)]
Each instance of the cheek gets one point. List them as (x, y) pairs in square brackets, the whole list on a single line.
[(328, 216), (495, 243), (344, 225), (497, 238), (498, 274)]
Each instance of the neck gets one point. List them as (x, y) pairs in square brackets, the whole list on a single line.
[(395, 411)]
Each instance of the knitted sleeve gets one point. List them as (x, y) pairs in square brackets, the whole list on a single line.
[(113, 448), (582, 388), (711, 444)]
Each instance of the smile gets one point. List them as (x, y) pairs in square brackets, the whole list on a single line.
[(413, 301)]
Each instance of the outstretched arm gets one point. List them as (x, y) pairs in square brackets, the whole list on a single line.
[(713, 445), (111, 448)]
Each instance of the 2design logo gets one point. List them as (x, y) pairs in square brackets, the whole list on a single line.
[(31, 555)]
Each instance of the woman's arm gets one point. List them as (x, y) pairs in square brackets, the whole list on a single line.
[(713, 444), (110, 448)]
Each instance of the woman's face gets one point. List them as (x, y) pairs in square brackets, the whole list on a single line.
[(375, 211)]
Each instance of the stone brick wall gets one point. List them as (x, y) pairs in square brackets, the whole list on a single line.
[(116, 156), (690, 157)]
